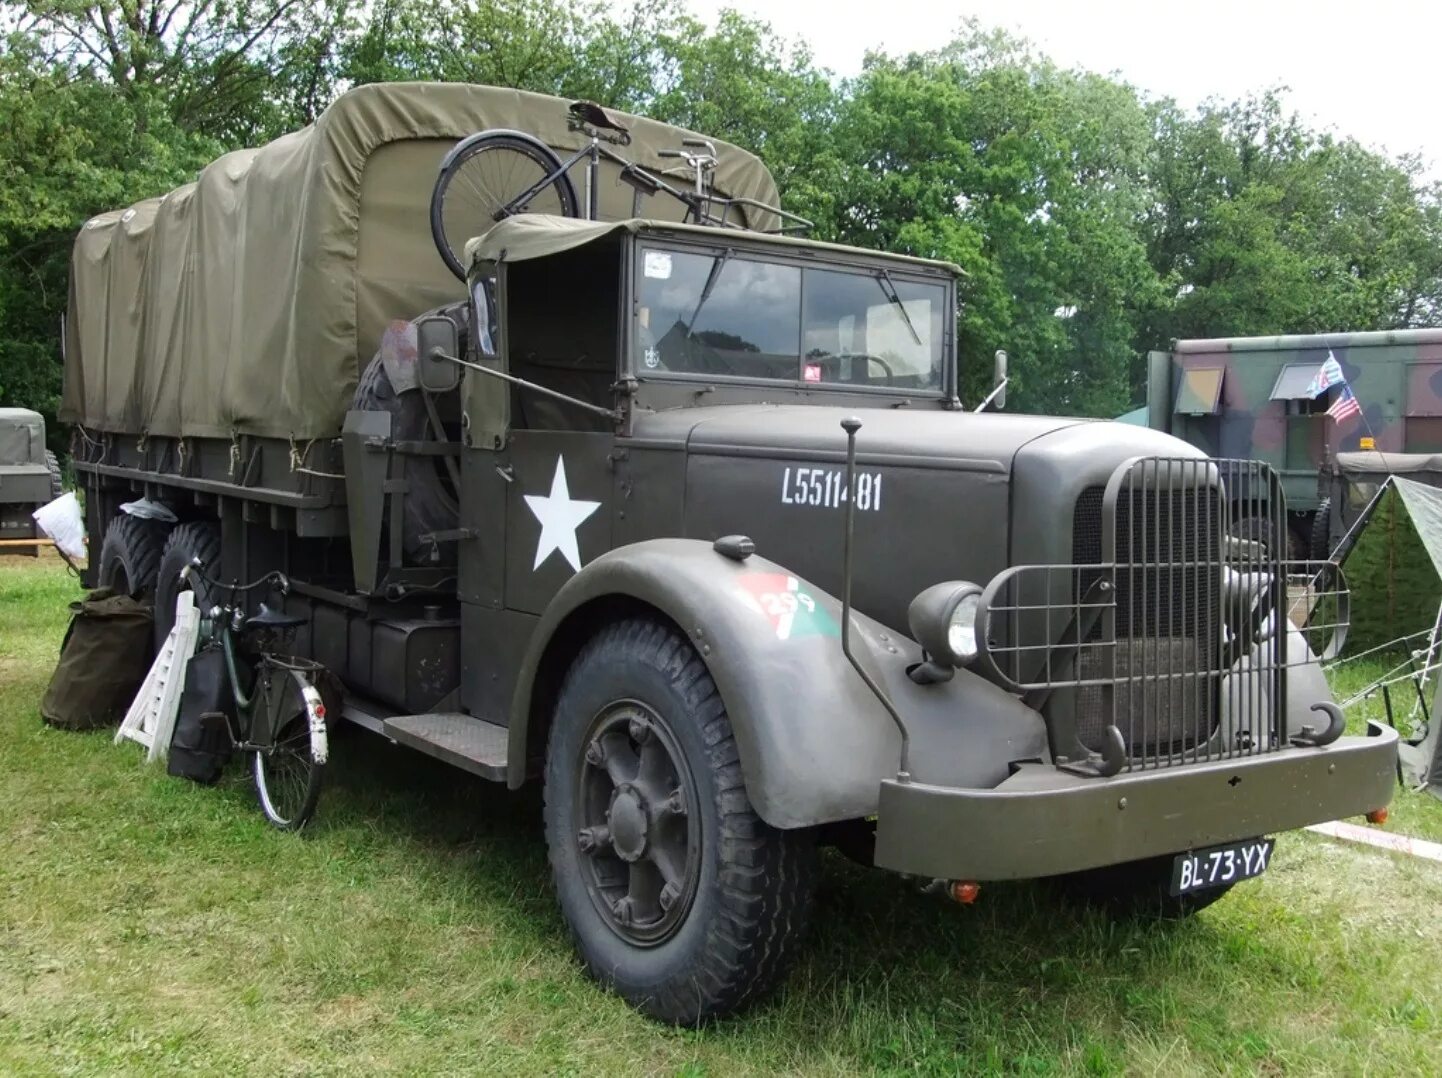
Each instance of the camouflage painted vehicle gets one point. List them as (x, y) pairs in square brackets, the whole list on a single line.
[(687, 523), (1246, 397), (1352, 481), (29, 477)]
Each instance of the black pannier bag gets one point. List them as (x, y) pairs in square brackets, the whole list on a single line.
[(201, 745), (104, 658)]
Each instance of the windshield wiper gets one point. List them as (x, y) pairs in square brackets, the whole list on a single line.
[(888, 289), (708, 287)]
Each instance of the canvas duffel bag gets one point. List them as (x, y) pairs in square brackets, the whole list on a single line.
[(104, 657)]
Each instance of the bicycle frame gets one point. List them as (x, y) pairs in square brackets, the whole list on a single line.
[(222, 621), (593, 152)]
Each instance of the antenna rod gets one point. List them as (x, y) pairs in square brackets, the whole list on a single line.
[(851, 425)]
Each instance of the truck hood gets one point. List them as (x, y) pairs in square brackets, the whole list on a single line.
[(940, 495), (893, 435)]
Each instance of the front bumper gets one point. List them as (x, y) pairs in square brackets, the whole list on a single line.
[(1042, 821)]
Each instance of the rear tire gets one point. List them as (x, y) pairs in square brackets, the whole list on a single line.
[(1320, 542), (130, 554), (57, 482), (1135, 890), (198, 539), (689, 906), (480, 176)]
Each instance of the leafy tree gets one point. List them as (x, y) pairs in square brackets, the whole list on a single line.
[(1092, 224)]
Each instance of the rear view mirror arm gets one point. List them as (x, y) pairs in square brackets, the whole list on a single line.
[(595, 409)]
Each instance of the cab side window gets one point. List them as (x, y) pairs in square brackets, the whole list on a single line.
[(561, 331)]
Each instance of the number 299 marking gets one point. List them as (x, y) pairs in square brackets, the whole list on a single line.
[(826, 488)]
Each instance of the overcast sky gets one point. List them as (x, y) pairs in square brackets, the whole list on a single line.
[(1371, 69)]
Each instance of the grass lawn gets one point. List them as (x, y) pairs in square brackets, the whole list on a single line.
[(151, 926)]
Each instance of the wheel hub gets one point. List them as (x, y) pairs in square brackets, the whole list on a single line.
[(637, 823), (629, 824)]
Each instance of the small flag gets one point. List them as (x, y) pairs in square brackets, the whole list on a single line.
[(1345, 405), (1328, 375)]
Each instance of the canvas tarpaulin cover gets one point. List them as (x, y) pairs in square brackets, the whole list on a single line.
[(248, 302), (22, 437)]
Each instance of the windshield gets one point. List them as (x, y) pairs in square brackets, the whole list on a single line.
[(725, 315)]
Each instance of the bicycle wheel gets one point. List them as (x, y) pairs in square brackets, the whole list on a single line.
[(288, 772), (486, 177)]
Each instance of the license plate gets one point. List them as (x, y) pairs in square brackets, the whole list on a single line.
[(1220, 865)]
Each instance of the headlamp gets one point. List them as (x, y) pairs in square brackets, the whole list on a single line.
[(943, 621)]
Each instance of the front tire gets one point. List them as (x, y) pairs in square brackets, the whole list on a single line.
[(289, 771), (678, 896), (1135, 890)]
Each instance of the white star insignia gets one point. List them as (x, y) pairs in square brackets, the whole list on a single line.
[(560, 516)]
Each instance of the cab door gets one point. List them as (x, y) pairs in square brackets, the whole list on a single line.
[(558, 513)]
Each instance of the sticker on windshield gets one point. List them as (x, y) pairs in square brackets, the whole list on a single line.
[(792, 610), (811, 372), (658, 265)]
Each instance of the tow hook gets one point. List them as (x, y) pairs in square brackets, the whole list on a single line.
[(962, 892)]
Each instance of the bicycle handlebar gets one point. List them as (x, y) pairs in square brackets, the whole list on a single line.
[(197, 568)]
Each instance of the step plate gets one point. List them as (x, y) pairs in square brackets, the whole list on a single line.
[(467, 742)]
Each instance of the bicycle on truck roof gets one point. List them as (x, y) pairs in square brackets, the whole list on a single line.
[(499, 173)]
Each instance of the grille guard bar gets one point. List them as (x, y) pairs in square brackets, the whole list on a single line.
[(1173, 646)]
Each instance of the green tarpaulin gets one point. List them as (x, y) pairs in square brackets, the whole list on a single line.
[(247, 302), (1394, 566)]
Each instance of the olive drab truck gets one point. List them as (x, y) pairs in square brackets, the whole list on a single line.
[(1251, 397), (29, 478), (677, 513)]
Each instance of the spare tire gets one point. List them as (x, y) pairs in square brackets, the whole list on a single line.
[(431, 504)]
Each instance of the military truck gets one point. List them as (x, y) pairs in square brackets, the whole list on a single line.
[(29, 477), (1248, 397), (687, 523)]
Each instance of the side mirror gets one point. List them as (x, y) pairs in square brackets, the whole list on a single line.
[(998, 380), (438, 344)]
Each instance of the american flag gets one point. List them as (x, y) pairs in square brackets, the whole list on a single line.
[(1345, 405)]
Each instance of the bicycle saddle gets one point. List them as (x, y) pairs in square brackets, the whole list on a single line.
[(267, 617), (588, 112)]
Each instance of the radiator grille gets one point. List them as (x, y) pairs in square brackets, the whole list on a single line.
[(1168, 555), (1164, 640)]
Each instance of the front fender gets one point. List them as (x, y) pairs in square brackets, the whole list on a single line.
[(814, 743)]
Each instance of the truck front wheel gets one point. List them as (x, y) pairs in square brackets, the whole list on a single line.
[(1135, 889), (678, 896)]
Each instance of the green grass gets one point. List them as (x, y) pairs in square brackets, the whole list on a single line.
[(1418, 815), (151, 926)]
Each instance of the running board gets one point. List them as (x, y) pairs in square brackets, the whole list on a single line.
[(466, 742)]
